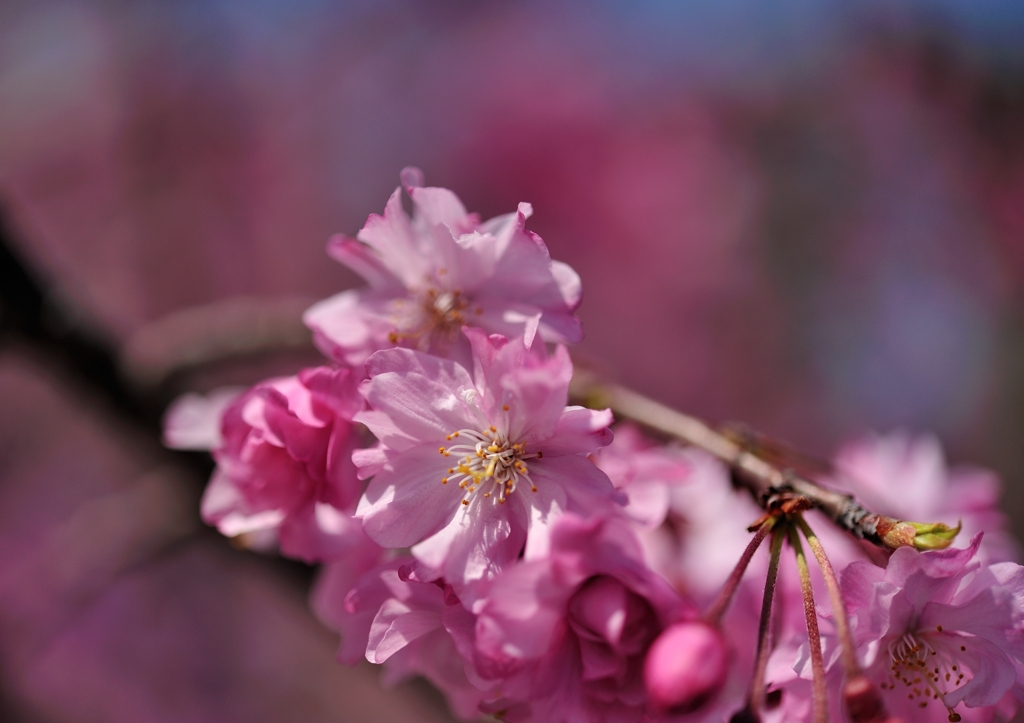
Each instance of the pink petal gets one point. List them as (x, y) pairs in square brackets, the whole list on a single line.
[(395, 626), (438, 207), (481, 540), (193, 421), (415, 397), (994, 672), (360, 258), (406, 502), (342, 329), (598, 610), (395, 242), (586, 490), (580, 431), (569, 284)]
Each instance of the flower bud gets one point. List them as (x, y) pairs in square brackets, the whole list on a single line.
[(920, 535), (686, 666), (934, 535)]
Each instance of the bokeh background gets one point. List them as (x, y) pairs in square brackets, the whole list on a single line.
[(808, 216)]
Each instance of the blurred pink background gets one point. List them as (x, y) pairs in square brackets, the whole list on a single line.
[(807, 216)]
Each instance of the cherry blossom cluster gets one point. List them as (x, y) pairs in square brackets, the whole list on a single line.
[(476, 529)]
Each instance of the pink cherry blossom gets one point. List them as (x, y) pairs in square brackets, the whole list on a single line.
[(644, 471), (568, 633), (283, 454), (412, 628), (938, 631), (431, 274), (474, 468)]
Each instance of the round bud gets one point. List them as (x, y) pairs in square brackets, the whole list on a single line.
[(686, 666)]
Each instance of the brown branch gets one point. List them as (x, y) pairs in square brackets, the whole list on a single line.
[(769, 484)]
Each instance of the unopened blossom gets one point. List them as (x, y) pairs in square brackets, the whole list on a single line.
[(473, 467), (411, 628), (442, 269), (284, 470), (568, 633), (686, 666), (939, 632)]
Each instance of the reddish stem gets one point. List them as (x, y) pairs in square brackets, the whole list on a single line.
[(757, 691), (849, 649), (714, 614), (820, 696)]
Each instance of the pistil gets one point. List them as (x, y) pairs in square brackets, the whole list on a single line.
[(488, 457)]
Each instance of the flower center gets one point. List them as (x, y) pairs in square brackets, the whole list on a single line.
[(489, 462), (434, 315), (925, 672)]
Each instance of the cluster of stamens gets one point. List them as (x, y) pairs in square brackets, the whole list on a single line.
[(438, 314), (925, 674), (488, 462)]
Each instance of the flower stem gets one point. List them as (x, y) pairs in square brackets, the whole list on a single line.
[(714, 614), (819, 695), (849, 649), (757, 691)]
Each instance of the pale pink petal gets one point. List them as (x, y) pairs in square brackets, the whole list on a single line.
[(580, 431), (343, 329), (360, 258), (406, 502), (224, 506), (396, 626), (478, 543), (392, 237), (438, 206), (320, 532), (193, 421), (369, 461), (538, 394), (569, 284), (993, 672), (524, 272), (415, 397), (508, 318), (586, 489)]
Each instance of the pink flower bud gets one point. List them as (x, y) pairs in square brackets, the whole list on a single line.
[(685, 667)]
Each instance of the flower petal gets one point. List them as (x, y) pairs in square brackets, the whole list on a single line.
[(360, 258), (395, 626), (480, 540), (406, 501), (415, 397), (580, 431)]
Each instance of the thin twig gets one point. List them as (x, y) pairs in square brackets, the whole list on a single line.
[(762, 479)]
